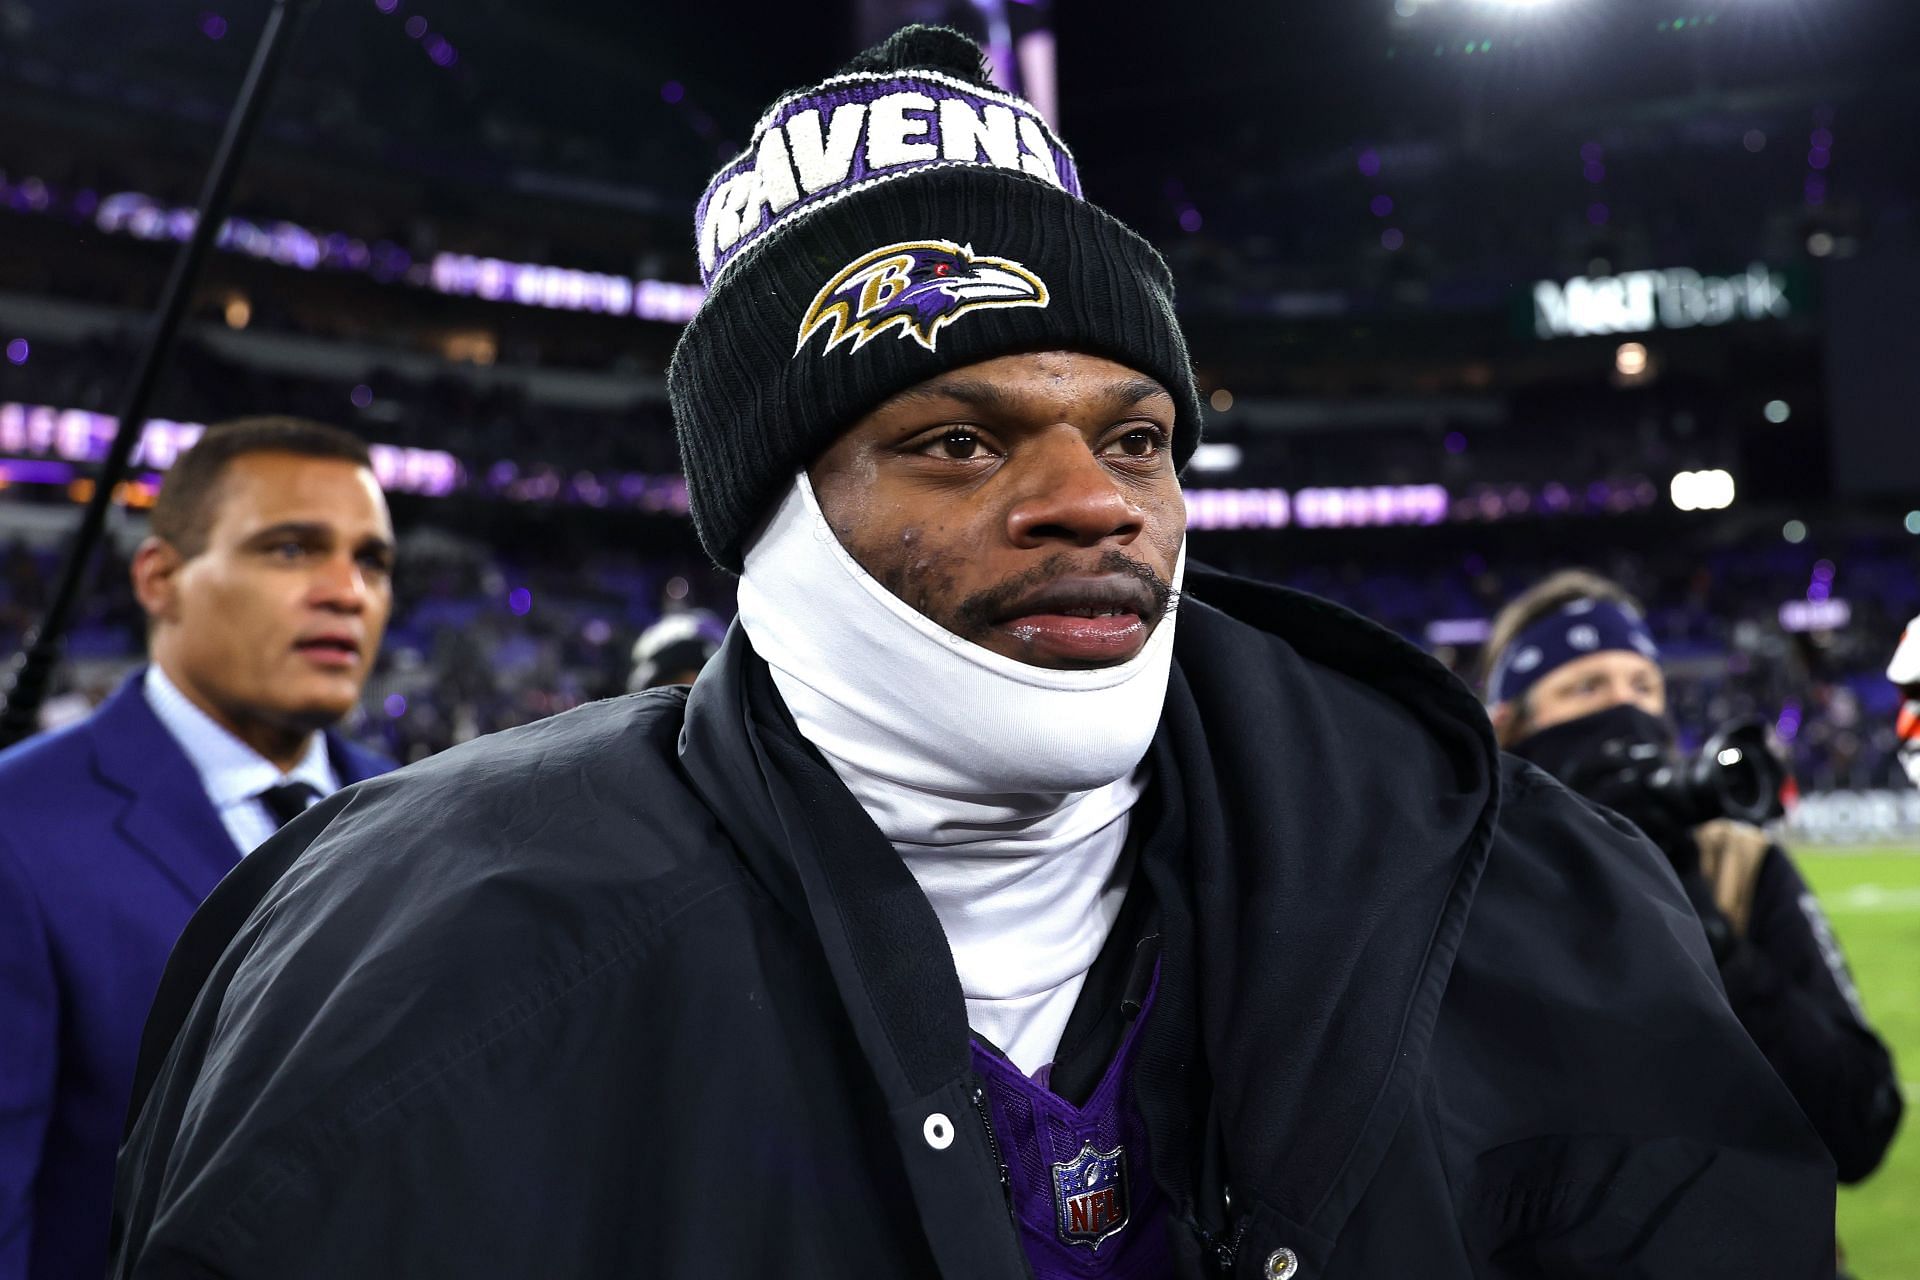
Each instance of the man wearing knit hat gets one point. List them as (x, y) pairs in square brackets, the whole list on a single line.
[(962, 921)]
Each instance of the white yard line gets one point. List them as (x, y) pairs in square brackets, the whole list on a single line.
[(1872, 897)]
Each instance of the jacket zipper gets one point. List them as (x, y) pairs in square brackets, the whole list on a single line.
[(979, 1098)]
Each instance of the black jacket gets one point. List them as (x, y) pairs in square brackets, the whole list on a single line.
[(640, 991), (1787, 981)]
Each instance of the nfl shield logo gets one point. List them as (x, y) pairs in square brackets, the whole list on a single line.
[(1090, 1196)]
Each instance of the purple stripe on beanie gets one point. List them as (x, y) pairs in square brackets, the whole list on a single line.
[(855, 130), (1582, 628)]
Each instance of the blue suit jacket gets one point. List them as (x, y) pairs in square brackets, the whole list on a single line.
[(107, 844)]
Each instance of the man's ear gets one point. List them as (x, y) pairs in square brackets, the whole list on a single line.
[(155, 573)]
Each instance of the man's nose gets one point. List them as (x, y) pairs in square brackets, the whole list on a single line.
[(1068, 495), (340, 584)]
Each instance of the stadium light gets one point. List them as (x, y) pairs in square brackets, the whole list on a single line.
[(1702, 490), (1215, 457)]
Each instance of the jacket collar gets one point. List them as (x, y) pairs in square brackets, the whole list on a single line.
[(816, 852), (809, 843), (1340, 791), (1341, 794)]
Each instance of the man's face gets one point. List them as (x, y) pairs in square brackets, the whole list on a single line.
[(1596, 682), (1026, 503), (278, 620)]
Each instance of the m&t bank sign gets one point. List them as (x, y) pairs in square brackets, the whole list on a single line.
[(1642, 301)]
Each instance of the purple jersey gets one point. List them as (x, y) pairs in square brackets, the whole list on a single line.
[(1082, 1190)]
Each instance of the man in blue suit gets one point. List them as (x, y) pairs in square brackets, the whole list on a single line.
[(267, 584)]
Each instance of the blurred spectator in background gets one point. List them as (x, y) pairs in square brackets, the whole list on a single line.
[(1577, 688), (1904, 671), (674, 649), (265, 582)]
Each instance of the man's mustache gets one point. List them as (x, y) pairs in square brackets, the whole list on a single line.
[(1153, 596)]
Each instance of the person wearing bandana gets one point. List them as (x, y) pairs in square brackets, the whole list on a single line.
[(1577, 688), (1008, 896)]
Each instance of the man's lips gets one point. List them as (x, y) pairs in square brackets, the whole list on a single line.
[(1083, 620), (336, 651)]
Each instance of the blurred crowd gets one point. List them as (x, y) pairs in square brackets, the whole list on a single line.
[(483, 639)]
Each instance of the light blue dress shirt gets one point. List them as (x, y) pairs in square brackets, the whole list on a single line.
[(233, 773)]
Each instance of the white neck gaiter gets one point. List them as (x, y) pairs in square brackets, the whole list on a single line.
[(1005, 787)]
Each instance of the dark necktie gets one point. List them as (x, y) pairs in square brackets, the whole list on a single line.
[(288, 800)]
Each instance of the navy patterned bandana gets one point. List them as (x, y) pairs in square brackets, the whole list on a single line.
[(1582, 628)]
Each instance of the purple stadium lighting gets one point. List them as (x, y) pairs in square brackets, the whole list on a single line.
[(1392, 238), (213, 26), (36, 472), (1595, 171), (18, 351), (441, 52), (416, 26), (361, 395), (1190, 220), (1456, 442), (386, 6), (1382, 205), (1369, 162), (1819, 156), (673, 92), (1597, 214), (396, 705), (80, 435), (520, 600)]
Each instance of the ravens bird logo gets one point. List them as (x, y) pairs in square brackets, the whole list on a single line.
[(917, 288)]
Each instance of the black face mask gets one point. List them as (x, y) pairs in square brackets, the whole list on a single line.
[(1618, 757), (1574, 751)]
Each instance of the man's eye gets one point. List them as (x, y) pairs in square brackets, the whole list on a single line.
[(958, 446), (1141, 442), (287, 550)]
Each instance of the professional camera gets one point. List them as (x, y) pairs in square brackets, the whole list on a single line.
[(1623, 758)]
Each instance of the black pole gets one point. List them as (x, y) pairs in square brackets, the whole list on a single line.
[(32, 670)]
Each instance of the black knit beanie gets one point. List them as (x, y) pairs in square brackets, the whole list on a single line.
[(900, 219)]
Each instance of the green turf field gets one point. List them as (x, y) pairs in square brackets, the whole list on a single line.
[(1873, 898)]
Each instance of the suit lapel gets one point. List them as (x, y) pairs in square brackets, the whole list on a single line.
[(352, 763), (166, 815)]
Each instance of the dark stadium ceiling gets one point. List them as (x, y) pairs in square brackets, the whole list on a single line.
[(1155, 96)]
